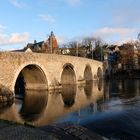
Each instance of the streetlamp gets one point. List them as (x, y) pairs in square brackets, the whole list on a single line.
[(92, 45), (51, 44), (101, 53), (77, 49)]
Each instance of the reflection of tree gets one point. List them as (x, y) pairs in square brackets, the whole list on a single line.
[(106, 89), (100, 104), (97, 106), (124, 89), (93, 107), (68, 94), (129, 88)]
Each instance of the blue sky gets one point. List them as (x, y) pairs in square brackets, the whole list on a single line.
[(23, 21)]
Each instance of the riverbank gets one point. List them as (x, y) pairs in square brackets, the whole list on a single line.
[(14, 131)]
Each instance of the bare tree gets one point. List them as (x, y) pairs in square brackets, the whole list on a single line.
[(90, 47)]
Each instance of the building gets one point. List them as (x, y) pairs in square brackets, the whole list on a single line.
[(124, 59), (129, 57), (48, 46)]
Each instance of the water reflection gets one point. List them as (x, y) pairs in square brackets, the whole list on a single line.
[(88, 88), (34, 102), (10, 113), (79, 102), (68, 94), (93, 87), (100, 84), (41, 107), (124, 89), (4, 106)]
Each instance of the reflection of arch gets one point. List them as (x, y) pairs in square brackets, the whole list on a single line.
[(68, 94), (88, 89), (100, 84), (88, 73), (99, 73), (30, 77), (34, 103), (68, 74)]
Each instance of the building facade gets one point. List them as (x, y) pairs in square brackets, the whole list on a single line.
[(48, 46), (124, 59)]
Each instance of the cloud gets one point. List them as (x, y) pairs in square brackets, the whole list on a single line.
[(16, 3), (48, 18), (127, 16), (123, 13), (106, 31), (18, 38), (2, 28), (14, 38), (115, 34), (63, 2), (61, 40)]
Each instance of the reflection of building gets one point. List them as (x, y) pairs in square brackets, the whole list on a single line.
[(48, 46)]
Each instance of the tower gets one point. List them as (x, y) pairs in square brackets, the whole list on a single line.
[(52, 42)]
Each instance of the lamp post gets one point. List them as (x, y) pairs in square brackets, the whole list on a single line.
[(92, 50), (101, 53), (51, 44), (77, 49), (92, 45)]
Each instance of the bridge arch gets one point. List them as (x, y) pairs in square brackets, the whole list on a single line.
[(68, 75), (88, 73), (30, 77), (99, 73)]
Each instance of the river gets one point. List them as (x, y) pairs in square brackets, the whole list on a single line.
[(110, 108)]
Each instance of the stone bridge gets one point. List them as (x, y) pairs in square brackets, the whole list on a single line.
[(21, 71)]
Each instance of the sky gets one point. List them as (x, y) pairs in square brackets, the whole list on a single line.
[(23, 21)]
